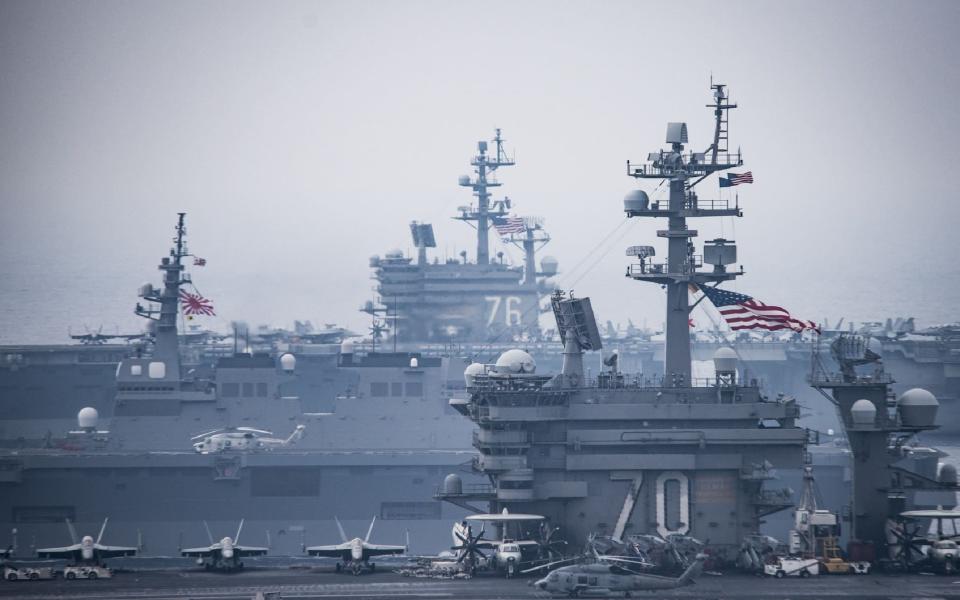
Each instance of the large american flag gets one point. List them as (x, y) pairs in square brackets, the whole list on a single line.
[(743, 312), (195, 304), (738, 178), (509, 225)]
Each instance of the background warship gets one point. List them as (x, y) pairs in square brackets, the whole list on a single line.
[(375, 435)]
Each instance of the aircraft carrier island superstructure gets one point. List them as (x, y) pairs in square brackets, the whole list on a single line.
[(620, 454), (458, 300)]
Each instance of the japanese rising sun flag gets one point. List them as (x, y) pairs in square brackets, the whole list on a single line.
[(195, 304)]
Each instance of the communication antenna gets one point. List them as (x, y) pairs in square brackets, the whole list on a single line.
[(484, 165)]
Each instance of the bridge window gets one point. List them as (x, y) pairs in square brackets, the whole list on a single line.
[(247, 390), (261, 390), (379, 389), (414, 389), (230, 390)]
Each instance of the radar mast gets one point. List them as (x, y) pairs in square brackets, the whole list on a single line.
[(679, 272), (484, 165), (165, 308)]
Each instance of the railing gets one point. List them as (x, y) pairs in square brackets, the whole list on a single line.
[(663, 206), (667, 163), (468, 489), (662, 268)]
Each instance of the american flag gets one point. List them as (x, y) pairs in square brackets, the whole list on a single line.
[(195, 304), (199, 262), (743, 312), (736, 179), (509, 225)]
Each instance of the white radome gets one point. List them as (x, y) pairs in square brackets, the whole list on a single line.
[(88, 418), (516, 361)]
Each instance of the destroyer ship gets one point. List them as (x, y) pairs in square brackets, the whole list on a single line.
[(375, 435)]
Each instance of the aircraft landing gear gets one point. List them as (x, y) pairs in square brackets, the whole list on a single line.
[(373, 567), (357, 569), (338, 567)]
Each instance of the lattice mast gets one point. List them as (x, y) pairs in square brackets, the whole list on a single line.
[(683, 170)]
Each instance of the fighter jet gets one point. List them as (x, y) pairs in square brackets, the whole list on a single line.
[(603, 578), (86, 551), (355, 554), (226, 555)]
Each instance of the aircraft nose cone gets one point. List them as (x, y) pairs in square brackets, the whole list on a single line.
[(228, 553), (542, 584)]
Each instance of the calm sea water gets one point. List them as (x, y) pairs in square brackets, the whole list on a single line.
[(42, 298)]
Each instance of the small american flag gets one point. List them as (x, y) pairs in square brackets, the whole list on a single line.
[(199, 262), (195, 304), (743, 312), (509, 225)]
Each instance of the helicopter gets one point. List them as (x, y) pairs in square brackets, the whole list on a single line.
[(242, 439)]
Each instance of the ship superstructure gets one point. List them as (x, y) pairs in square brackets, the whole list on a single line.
[(459, 300), (653, 454)]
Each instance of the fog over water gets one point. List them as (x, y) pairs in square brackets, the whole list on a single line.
[(302, 137)]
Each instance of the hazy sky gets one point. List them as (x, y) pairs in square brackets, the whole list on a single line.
[(302, 137)]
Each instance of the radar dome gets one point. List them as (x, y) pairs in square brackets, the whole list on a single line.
[(452, 485), (346, 347), (725, 360), (395, 253), (636, 200), (515, 361), (918, 408), (288, 362), (88, 418), (947, 474), (471, 372), (414, 362), (549, 266), (863, 412), (464, 180)]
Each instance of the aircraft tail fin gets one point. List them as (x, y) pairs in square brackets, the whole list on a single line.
[(73, 532), (236, 540), (295, 436), (209, 535), (103, 528), (343, 536), (693, 571), (370, 531)]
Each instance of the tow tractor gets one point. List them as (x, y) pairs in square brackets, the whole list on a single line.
[(27, 573), (87, 572), (833, 561), (792, 566)]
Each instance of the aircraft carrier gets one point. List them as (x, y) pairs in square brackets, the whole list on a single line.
[(669, 455)]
